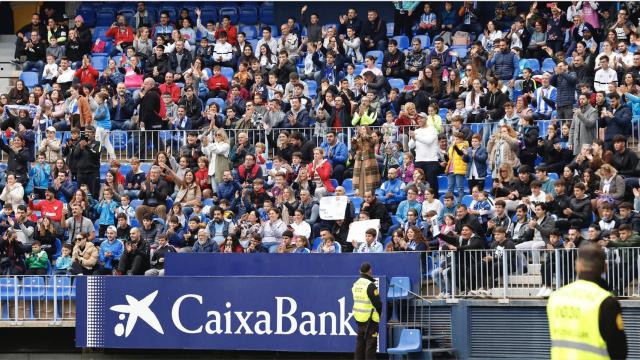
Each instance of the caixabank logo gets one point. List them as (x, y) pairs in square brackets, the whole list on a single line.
[(270, 313)]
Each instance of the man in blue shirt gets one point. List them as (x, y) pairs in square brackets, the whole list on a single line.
[(336, 152), (391, 193)]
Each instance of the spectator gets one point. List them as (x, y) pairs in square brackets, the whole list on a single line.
[(77, 224), (393, 62), (34, 53), (617, 120), (109, 254), (544, 99), (158, 257), (320, 171), (370, 244), (506, 64), (269, 42), (135, 258), (272, 230), (122, 35), (584, 125), (18, 158), (536, 236), (425, 142), (312, 23), (164, 27), (84, 256), (222, 51), (154, 194), (142, 16), (11, 250), (374, 32)]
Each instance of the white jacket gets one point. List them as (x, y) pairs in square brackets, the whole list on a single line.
[(212, 151), (425, 143), (13, 197)]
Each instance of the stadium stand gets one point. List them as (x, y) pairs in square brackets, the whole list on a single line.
[(148, 120)]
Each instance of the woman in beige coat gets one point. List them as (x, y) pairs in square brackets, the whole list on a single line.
[(50, 147), (218, 154), (503, 148)]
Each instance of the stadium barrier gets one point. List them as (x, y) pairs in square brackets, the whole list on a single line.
[(145, 144)]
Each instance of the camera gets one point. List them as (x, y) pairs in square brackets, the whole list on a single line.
[(83, 136), (257, 120)]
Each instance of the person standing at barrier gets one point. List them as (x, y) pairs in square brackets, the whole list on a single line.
[(87, 155), (585, 320), (367, 308)]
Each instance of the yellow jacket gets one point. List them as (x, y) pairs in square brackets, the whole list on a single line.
[(456, 163)]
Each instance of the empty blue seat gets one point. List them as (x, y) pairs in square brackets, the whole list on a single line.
[(231, 12), (135, 203), (548, 65), (410, 341), (119, 140), (347, 184), (227, 72), (442, 184), (403, 42), (100, 33), (338, 247), (254, 42), (125, 169), (105, 17), (316, 244), (312, 86), (30, 78), (209, 14), (59, 288), (389, 29), (466, 200), (334, 182), (425, 41), (8, 291), (488, 182), (249, 30), (534, 64), (396, 83), (357, 203), (58, 244), (399, 287), (460, 50), (104, 168), (145, 167), (99, 62), (248, 14), (443, 113), (267, 14), (207, 202), (553, 176)]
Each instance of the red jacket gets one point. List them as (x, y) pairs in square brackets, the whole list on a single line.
[(87, 76), (232, 35), (202, 178), (219, 82), (324, 172), (120, 36), (173, 90), (52, 210)]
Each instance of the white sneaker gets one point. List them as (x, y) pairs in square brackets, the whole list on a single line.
[(483, 293), (542, 291), (547, 293)]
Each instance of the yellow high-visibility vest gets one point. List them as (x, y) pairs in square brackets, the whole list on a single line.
[(573, 313), (362, 307)]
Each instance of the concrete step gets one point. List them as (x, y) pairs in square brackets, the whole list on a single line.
[(6, 51), (10, 38), (9, 71), (525, 280)]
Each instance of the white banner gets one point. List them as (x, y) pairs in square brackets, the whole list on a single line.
[(333, 207), (357, 229)]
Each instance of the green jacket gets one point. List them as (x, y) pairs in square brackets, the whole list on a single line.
[(38, 261), (634, 241)]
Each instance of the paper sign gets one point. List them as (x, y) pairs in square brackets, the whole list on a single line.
[(357, 229), (333, 207)]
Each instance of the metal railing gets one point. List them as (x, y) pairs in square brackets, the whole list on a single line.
[(505, 274), (43, 300), (146, 144)]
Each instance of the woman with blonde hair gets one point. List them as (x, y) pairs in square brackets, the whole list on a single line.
[(503, 148), (320, 172), (218, 154), (611, 186)]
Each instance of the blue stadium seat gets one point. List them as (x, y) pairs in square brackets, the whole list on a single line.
[(389, 29), (334, 182), (30, 78), (119, 140), (424, 40), (8, 291), (569, 60), (359, 68), (99, 62), (548, 65), (410, 341), (254, 42), (357, 203), (248, 14), (60, 289), (316, 244), (209, 14), (312, 85), (403, 42), (105, 17), (443, 113), (399, 287), (534, 64), (476, 128), (397, 83), (145, 167), (488, 182), (58, 245), (267, 14), (377, 54), (442, 184), (338, 247), (31, 292), (250, 31), (553, 176), (231, 12), (461, 50), (100, 33), (227, 72), (104, 168), (125, 169), (347, 184), (466, 200)]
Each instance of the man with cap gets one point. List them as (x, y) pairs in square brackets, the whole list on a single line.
[(367, 308), (87, 157), (585, 320), (50, 207)]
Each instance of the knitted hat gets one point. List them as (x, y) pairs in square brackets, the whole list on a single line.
[(79, 18)]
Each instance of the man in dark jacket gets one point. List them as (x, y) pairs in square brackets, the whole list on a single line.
[(180, 60), (284, 68), (618, 120), (376, 210), (153, 193), (415, 60), (565, 83), (393, 60), (158, 257), (192, 104), (299, 143), (135, 258), (87, 156), (441, 52), (536, 236), (417, 96), (24, 35), (350, 20), (494, 100), (506, 63), (158, 65), (374, 32), (34, 52), (121, 108), (68, 150), (18, 162)]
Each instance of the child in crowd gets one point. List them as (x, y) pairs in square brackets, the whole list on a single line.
[(63, 263), (261, 156), (301, 245), (50, 71), (37, 261), (106, 210), (126, 209)]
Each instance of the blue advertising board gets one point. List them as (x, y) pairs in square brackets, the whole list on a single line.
[(310, 314), (217, 264)]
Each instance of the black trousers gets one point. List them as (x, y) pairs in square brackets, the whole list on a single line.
[(367, 340), (93, 182), (132, 264)]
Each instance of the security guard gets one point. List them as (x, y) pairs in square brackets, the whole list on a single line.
[(366, 310), (585, 320)]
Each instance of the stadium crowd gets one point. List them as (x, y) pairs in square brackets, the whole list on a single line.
[(450, 132)]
